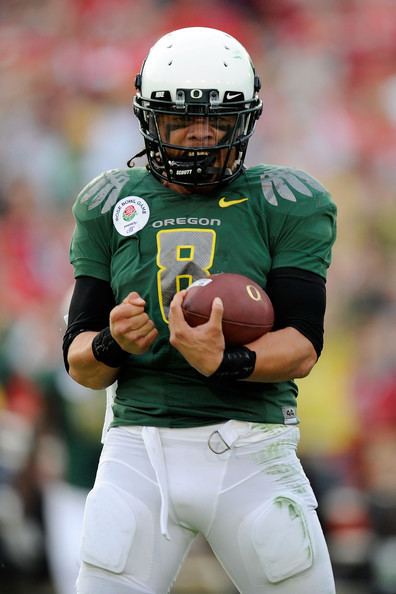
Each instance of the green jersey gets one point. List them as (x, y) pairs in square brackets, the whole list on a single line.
[(141, 236)]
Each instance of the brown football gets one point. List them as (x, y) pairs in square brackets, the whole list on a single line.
[(248, 311)]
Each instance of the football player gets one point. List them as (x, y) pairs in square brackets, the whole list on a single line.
[(202, 438)]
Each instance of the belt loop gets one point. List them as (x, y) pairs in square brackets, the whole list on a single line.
[(228, 433), (212, 448)]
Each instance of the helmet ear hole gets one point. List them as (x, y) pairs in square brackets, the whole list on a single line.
[(197, 72)]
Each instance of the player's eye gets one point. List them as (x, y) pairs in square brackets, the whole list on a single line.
[(172, 122), (176, 123), (223, 123)]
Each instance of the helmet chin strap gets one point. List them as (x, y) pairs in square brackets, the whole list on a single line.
[(131, 161)]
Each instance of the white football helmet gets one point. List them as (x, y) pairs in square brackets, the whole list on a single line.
[(197, 103)]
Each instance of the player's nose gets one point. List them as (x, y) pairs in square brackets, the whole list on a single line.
[(200, 131)]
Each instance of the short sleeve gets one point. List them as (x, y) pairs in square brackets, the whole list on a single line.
[(90, 249), (306, 241), (300, 217)]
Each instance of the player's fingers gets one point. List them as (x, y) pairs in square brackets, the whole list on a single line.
[(135, 325), (216, 314), (178, 297), (145, 341), (175, 310), (134, 299), (119, 312), (124, 311), (132, 338), (141, 326)]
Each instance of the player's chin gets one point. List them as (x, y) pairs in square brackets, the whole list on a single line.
[(208, 180)]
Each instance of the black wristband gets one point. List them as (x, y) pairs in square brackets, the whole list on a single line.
[(107, 350), (238, 363)]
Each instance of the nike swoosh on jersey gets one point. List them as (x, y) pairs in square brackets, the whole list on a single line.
[(224, 203)]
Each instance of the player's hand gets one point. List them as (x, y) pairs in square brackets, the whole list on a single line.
[(202, 346), (130, 325)]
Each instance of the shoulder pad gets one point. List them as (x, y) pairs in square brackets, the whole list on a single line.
[(286, 183), (104, 190)]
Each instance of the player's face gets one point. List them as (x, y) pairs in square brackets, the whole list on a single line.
[(199, 141), (195, 131)]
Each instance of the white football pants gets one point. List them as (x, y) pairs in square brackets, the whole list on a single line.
[(239, 484), (63, 508)]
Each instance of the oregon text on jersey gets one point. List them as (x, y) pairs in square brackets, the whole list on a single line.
[(202, 221)]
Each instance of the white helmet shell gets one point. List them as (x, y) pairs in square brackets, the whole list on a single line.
[(198, 58)]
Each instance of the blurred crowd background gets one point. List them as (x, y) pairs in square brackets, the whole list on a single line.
[(328, 69)]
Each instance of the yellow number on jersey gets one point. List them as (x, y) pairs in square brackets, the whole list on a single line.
[(183, 256)]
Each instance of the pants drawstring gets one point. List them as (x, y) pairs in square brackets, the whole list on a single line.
[(152, 442)]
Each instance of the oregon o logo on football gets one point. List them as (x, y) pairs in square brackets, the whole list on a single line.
[(253, 292)]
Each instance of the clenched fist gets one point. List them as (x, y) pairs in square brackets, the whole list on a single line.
[(130, 325)]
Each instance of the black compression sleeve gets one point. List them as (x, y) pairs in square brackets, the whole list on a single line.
[(90, 307), (299, 300)]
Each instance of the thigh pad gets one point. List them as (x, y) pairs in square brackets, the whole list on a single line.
[(117, 531), (275, 540)]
